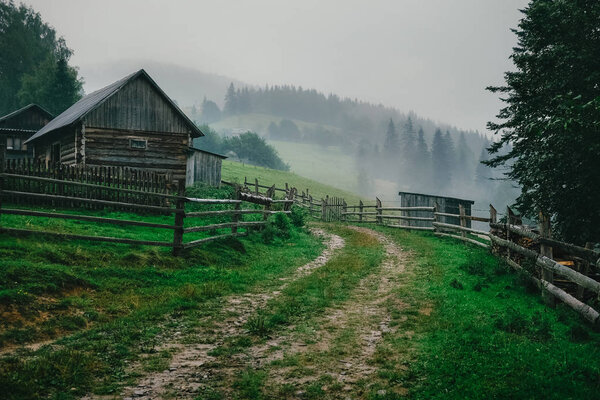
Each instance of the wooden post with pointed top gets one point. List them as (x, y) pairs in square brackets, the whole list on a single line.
[(378, 206), (546, 250), (360, 208), (463, 220)]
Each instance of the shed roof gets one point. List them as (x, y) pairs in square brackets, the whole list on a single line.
[(30, 107), (88, 103), (207, 152), (439, 196)]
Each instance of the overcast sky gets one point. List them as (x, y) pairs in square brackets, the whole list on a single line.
[(434, 57)]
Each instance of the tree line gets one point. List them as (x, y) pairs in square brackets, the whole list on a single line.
[(247, 147), (34, 63)]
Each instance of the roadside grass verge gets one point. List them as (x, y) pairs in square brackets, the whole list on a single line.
[(469, 327), (109, 305)]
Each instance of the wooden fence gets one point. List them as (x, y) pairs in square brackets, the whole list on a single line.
[(135, 191)]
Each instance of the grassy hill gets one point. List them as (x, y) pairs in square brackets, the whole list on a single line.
[(235, 172)]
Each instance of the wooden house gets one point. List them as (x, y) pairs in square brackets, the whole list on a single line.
[(130, 123), (18, 126), (203, 166), (445, 204)]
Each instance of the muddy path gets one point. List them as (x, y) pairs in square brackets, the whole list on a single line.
[(344, 345), (194, 364)]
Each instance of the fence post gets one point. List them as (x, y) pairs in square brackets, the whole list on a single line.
[(323, 210), (179, 218), (493, 214), (508, 221), (545, 250), (344, 209), (2, 152), (585, 269), (463, 220), (236, 216), (256, 186), (378, 206), (435, 217), (360, 209)]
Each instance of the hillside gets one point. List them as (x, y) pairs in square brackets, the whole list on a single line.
[(235, 172)]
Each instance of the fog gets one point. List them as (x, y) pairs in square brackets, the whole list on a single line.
[(433, 57)]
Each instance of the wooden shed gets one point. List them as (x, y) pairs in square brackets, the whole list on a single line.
[(18, 126), (445, 204), (203, 166), (130, 123)]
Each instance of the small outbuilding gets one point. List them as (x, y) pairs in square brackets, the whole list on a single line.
[(445, 204), (18, 126), (130, 123), (203, 166)]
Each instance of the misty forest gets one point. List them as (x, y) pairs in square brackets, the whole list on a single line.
[(299, 200)]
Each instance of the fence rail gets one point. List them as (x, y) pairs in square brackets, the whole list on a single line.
[(140, 192)]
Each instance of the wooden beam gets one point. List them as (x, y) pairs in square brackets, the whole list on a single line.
[(84, 218)]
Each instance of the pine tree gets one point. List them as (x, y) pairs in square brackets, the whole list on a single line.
[(551, 114), (210, 112), (441, 162), (391, 146), (408, 140), (422, 165), (231, 106), (465, 160)]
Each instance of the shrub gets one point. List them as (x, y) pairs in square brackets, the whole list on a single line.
[(298, 217)]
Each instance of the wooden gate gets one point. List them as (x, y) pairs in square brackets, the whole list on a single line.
[(332, 209)]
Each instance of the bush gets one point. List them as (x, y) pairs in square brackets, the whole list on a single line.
[(298, 217)]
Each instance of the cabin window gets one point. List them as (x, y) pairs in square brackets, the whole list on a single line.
[(139, 144), (14, 143)]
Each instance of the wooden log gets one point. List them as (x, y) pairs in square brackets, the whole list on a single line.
[(198, 242), (404, 217), (583, 309), (460, 228), (84, 237), (464, 239), (404, 208), (211, 201), (552, 265), (224, 225), (224, 212), (581, 252), (410, 228), (255, 199), (379, 210), (84, 218), (157, 209)]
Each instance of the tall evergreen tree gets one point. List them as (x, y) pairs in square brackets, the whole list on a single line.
[(465, 160), (408, 140), (391, 146), (422, 165), (552, 115), (441, 162), (210, 112), (231, 101)]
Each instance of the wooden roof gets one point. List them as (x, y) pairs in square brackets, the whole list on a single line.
[(26, 119), (78, 111), (438, 196)]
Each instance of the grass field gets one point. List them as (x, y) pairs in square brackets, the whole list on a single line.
[(235, 172)]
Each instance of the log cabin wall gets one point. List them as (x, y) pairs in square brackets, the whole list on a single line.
[(164, 152), (65, 139)]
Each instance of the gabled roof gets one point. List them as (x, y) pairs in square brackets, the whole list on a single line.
[(24, 109), (88, 103)]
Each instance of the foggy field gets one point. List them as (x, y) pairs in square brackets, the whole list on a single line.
[(235, 172)]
